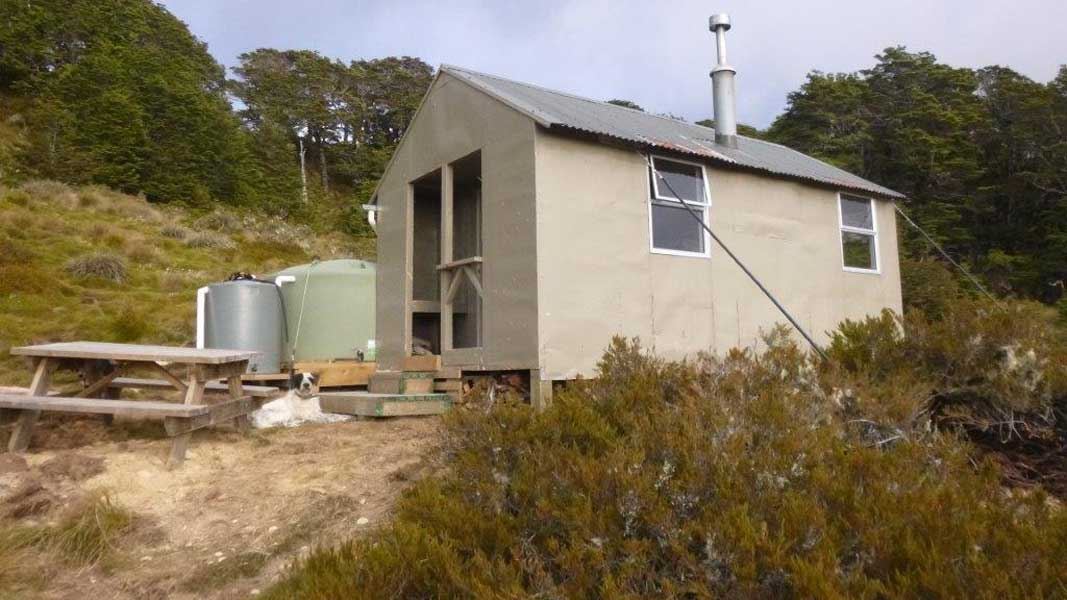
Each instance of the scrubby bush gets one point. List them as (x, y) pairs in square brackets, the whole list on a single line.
[(218, 221), (129, 325), (927, 285), (743, 476), (995, 371), (16, 197), (141, 252), (209, 239), (52, 192), (174, 231), (100, 265)]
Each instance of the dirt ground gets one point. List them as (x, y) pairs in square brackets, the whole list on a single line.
[(230, 520)]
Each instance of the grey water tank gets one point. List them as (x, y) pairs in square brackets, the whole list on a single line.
[(246, 315)]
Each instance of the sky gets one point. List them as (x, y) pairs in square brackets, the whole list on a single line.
[(655, 53)]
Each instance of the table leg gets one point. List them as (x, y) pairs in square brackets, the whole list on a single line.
[(242, 423), (98, 375), (20, 437), (194, 394)]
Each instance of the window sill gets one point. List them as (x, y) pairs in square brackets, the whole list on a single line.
[(862, 271), (680, 253)]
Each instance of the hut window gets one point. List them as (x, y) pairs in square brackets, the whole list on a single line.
[(859, 234), (672, 229)]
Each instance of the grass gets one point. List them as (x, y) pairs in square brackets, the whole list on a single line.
[(101, 265), (88, 534), (60, 248)]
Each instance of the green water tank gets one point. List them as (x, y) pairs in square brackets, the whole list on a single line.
[(329, 309)]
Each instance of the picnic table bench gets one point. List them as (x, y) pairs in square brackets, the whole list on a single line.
[(102, 366)]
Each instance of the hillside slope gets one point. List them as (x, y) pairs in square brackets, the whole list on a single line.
[(90, 263)]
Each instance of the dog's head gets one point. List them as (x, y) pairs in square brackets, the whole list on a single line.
[(305, 384)]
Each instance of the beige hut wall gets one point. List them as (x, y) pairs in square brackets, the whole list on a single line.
[(597, 276), (454, 121)]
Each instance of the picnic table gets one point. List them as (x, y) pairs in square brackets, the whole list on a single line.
[(102, 366)]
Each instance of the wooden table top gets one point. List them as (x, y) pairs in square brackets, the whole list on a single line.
[(134, 352)]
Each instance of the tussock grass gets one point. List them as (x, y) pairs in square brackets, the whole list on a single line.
[(100, 265), (90, 531), (52, 192), (174, 231), (218, 221), (209, 239)]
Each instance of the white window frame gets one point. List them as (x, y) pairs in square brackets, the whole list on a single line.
[(842, 229), (704, 207)]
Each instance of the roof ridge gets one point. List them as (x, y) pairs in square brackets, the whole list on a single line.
[(449, 67)]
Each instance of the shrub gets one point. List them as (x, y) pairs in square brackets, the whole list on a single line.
[(52, 192), (995, 372), (142, 252), (218, 221), (129, 325), (174, 231), (741, 476), (17, 197), (99, 265), (208, 239), (927, 285)]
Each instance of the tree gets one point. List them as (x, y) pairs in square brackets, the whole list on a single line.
[(980, 155), (349, 116), (122, 95)]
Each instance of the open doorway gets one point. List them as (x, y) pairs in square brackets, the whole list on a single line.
[(467, 245), (426, 255)]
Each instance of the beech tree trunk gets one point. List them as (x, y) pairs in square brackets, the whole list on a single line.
[(303, 173)]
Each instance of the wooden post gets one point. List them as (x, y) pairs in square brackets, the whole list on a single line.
[(242, 423), (194, 394), (447, 275), (20, 437), (540, 391)]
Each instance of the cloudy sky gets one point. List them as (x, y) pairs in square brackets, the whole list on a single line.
[(656, 53)]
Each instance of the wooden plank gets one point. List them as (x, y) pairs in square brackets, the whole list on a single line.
[(454, 280), (407, 382), (100, 384), (384, 405), (448, 373), (428, 362), (171, 377), (425, 306), (265, 376), (216, 414), (27, 420), (472, 260), (448, 279), (338, 373), (134, 352), (101, 406), (256, 391), (448, 385), (469, 272)]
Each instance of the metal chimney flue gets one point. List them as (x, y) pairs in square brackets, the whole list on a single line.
[(722, 85)]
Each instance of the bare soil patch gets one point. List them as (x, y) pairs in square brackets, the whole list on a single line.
[(228, 522)]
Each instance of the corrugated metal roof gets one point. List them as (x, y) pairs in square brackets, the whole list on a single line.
[(558, 109)]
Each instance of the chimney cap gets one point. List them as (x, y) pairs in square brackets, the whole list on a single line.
[(719, 20)]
